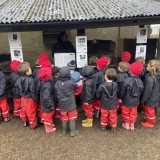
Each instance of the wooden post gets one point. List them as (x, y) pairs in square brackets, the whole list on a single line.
[(158, 47), (118, 42)]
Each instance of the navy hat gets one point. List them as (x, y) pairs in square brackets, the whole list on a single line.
[(72, 65)]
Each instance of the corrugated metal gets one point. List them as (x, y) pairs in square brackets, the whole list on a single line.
[(34, 11)]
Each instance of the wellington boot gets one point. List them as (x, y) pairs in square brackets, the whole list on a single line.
[(146, 124), (89, 123), (50, 129), (132, 126), (73, 131), (126, 126), (85, 120), (64, 126)]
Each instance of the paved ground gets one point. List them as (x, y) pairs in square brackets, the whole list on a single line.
[(19, 143)]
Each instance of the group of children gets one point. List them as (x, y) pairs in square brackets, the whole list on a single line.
[(102, 87)]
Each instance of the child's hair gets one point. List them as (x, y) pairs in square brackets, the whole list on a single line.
[(152, 64), (140, 59), (93, 60), (124, 66), (111, 73), (157, 65), (24, 68)]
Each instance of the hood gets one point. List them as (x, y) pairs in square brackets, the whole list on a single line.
[(42, 57), (158, 77), (45, 74), (134, 90), (14, 65), (88, 71), (75, 76), (64, 73), (46, 63)]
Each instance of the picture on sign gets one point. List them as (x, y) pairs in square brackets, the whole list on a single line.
[(141, 51), (142, 35), (14, 40), (82, 59), (16, 54), (81, 43)]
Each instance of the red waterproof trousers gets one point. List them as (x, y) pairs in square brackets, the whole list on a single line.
[(109, 117), (88, 110), (150, 114), (96, 104), (39, 111), (129, 115), (48, 118), (69, 116), (17, 106), (29, 111), (4, 108)]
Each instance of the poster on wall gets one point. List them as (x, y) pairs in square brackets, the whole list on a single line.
[(142, 35), (16, 54), (14, 40), (82, 59), (61, 59), (141, 51), (81, 44)]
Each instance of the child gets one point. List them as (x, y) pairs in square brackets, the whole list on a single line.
[(65, 91), (107, 93), (47, 98), (13, 78), (150, 97), (125, 57), (88, 95), (130, 94), (92, 62), (25, 87), (4, 108)]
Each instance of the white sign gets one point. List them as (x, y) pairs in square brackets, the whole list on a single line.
[(16, 54), (61, 59), (142, 35), (81, 43), (82, 59), (141, 51), (14, 40)]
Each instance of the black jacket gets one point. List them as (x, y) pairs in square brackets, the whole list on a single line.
[(99, 78), (107, 93), (25, 87), (150, 96), (89, 86), (121, 76), (131, 91), (13, 77), (65, 90), (2, 85), (47, 96), (144, 73)]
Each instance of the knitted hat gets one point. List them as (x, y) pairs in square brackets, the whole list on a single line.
[(136, 68), (45, 74), (14, 65), (46, 63), (72, 65), (75, 76), (42, 57), (102, 63), (125, 57)]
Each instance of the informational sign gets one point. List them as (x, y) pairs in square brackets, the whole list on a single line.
[(14, 40), (16, 54), (82, 59), (142, 35), (61, 59), (81, 44), (141, 51)]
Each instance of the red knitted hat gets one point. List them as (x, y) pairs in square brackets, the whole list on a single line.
[(45, 74), (102, 63), (136, 68), (14, 65), (46, 63), (125, 57), (42, 57)]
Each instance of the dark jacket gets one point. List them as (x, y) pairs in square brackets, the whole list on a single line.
[(150, 96), (35, 72), (99, 78), (47, 96), (25, 87), (13, 77), (107, 93), (131, 91), (89, 86), (2, 85), (143, 74), (65, 90), (121, 76)]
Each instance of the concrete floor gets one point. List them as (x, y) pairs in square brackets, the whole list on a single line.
[(19, 143)]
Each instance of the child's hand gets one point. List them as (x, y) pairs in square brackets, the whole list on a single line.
[(120, 100), (85, 103)]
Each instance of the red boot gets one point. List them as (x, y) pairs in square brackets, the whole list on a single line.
[(50, 129), (126, 126), (132, 126), (146, 124)]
